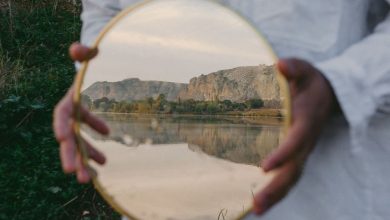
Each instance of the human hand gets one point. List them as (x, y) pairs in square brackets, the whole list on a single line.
[(313, 101), (63, 121)]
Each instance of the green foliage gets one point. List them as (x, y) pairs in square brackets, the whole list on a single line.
[(160, 105), (255, 103), (213, 108), (35, 73)]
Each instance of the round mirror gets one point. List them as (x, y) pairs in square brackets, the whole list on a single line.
[(193, 101)]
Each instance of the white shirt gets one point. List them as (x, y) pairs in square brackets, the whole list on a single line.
[(346, 176)]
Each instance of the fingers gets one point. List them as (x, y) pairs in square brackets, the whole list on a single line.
[(293, 68), (94, 122), (62, 115), (81, 53), (82, 172), (277, 189), (63, 129), (64, 134), (70, 159), (289, 148), (94, 154), (67, 155), (300, 132)]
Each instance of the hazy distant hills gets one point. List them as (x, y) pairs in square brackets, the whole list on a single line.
[(134, 89), (238, 85)]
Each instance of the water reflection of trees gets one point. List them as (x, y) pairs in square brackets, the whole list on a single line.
[(241, 140)]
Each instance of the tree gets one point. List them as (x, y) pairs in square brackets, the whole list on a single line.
[(150, 101), (86, 101), (96, 103), (239, 106), (213, 108), (200, 107), (255, 103), (227, 105), (103, 106), (188, 105), (160, 102), (144, 107)]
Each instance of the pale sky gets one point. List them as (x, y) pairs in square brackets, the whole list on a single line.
[(175, 41)]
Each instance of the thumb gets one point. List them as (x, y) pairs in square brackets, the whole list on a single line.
[(292, 68), (81, 53)]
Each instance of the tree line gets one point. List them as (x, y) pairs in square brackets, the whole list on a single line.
[(160, 105)]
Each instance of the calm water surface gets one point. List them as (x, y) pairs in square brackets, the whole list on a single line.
[(204, 166), (241, 140)]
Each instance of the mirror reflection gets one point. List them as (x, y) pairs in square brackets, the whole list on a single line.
[(237, 139), (191, 95)]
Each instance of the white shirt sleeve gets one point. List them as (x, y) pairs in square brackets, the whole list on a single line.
[(96, 14), (360, 76)]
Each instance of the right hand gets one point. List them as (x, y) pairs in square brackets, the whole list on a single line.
[(63, 121), (313, 102)]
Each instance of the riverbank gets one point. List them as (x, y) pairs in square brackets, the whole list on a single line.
[(271, 121), (261, 113)]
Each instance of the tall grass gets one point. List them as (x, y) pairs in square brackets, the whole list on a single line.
[(35, 73), (10, 71)]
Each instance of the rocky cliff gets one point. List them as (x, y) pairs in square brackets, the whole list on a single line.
[(237, 85), (134, 89)]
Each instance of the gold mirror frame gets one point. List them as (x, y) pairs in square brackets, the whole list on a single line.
[(284, 89)]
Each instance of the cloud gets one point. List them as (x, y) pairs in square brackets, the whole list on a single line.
[(198, 46), (175, 41)]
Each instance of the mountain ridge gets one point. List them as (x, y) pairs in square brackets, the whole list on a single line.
[(237, 84)]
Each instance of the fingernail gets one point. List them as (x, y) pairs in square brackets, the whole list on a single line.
[(107, 130), (92, 53), (92, 172), (257, 210), (84, 177), (68, 166), (261, 205), (264, 206), (104, 160), (267, 166), (256, 207), (284, 65)]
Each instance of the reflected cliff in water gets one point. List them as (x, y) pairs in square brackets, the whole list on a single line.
[(240, 140)]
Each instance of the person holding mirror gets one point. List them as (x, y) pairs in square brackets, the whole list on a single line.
[(339, 78)]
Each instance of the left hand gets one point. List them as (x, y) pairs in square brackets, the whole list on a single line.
[(313, 101), (64, 118)]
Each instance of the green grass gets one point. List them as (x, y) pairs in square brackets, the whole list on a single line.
[(35, 72)]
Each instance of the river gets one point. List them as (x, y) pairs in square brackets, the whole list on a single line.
[(204, 166)]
